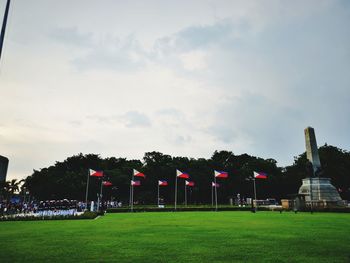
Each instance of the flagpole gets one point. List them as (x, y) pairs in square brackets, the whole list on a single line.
[(132, 192), (3, 28), (175, 190), (185, 195), (100, 194), (158, 194), (87, 190), (216, 194), (212, 197), (255, 206)]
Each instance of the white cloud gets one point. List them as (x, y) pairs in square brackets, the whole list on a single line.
[(184, 77)]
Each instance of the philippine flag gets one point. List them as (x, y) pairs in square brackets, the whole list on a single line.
[(220, 174), (107, 183), (189, 183), (138, 174), (162, 183), (135, 183), (260, 175), (214, 184), (95, 173), (182, 175)]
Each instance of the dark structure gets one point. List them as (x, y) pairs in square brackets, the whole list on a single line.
[(3, 28), (4, 163)]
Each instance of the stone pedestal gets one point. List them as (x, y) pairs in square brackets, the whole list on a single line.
[(323, 193)]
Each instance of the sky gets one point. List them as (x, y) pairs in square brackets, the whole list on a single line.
[(186, 78)]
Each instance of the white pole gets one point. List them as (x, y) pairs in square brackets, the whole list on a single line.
[(216, 194), (256, 203), (175, 190), (132, 198), (158, 194), (87, 190), (185, 195), (101, 193), (132, 191), (212, 195), (130, 195)]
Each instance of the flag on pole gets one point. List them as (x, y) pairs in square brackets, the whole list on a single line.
[(107, 183), (135, 183), (95, 173), (260, 175), (180, 174), (138, 174), (162, 183), (189, 183), (214, 184), (220, 174)]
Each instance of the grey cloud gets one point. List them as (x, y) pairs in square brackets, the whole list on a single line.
[(195, 37), (114, 54), (134, 119), (71, 35), (181, 140), (260, 122)]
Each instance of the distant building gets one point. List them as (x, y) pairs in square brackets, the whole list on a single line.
[(4, 163)]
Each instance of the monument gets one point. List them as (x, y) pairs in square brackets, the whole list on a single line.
[(317, 191), (4, 162)]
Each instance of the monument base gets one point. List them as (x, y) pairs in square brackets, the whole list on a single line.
[(320, 193)]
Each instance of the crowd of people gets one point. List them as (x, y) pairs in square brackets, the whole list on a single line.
[(52, 207), (42, 208)]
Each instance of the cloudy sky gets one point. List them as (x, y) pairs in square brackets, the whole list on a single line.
[(119, 78)]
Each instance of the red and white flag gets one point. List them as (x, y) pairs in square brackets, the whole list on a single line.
[(189, 183), (260, 175), (107, 183), (180, 174), (214, 184), (138, 174), (220, 174), (95, 173), (135, 183), (162, 183)]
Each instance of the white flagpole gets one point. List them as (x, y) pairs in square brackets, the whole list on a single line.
[(158, 194), (130, 195), (256, 203), (212, 195), (132, 191), (100, 197), (87, 190), (175, 190), (216, 194), (185, 194)]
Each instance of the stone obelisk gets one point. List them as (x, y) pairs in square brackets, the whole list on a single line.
[(318, 191), (311, 149)]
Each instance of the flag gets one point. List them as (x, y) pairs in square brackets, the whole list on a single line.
[(220, 174), (214, 184), (135, 183), (162, 183), (138, 174), (260, 175), (95, 173), (189, 183), (107, 183), (182, 175)]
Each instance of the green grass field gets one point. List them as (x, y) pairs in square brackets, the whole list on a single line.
[(181, 237)]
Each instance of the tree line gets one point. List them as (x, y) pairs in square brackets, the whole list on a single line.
[(67, 179)]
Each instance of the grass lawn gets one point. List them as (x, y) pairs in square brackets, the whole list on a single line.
[(181, 237)]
